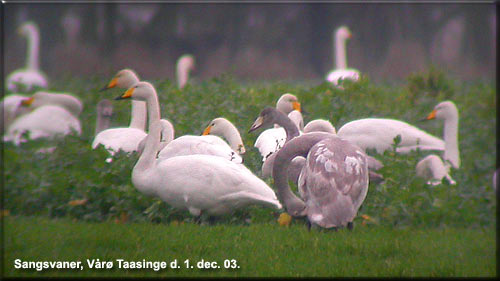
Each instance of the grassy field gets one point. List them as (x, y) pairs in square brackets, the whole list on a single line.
[(412, 229), (259, 249)]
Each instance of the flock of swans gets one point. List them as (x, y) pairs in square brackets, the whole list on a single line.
[(206, 174)]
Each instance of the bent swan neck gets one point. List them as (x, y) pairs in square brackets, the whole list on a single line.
[(451, 152)]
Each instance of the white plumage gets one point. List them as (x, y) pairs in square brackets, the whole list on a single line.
[(28, 78), (341, 72), (379, 134)]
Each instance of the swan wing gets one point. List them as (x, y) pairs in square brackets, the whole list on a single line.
[(379, 134), (209, 183), (209, 145), (334, 182), (45, 121), (116, 139), (270, 141)]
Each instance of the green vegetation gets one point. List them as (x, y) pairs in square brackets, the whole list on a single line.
[(259, 249), (418, 230)]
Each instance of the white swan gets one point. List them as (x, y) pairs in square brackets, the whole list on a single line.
[(185, 64), (26, 79), (184, 145), (333, 183), (53, 115), (319, 125), (197, 183), (379, 134), (432, 167), (271, 140), (341, 72), (224, 128), (124, 138)]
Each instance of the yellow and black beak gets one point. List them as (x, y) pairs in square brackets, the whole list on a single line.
[(127, 94), (111, 84), (431, 115), (27, 102), (296, 106), (207, 130), (257, 124)]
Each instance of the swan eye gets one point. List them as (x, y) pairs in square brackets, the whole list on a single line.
[(213, 124)]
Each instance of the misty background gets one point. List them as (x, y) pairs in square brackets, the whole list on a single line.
[(255, 41)]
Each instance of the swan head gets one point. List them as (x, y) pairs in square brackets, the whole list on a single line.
[(105, 108), (224, 128), (287, 103), (444, 110), (186, 62), (124, 79), (139, 91), (343, 32), (320, 125), (28, 28), (266, 119)]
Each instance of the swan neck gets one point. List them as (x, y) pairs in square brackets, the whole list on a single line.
[(287, 124), (102, 123), (340, 54), (33, 49), (148, 157), (153, 107), (451, 152), (182, 75), (138, 115), (297, 147), (233, 138)]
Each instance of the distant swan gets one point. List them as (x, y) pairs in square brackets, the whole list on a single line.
[(184, 65), (341, 72), (52, 115), (30, 77)]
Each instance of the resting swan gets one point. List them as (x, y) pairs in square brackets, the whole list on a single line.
[(184, 65), (432, 167), (11, 108), (124, 138), (30, 77), (198, 183), (333, 184), (379, 134), (184, 145), (341, 72), (52, 115)]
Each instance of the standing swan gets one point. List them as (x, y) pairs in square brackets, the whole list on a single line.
[(432, 167), (333, 183), (184, 65), (25, 79), (197, 183), (124, 138), (341, 72)]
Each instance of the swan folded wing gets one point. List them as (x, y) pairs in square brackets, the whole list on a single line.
[(206, 183), (208, 145), (116, 139), (270, 141), (335, 182)]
